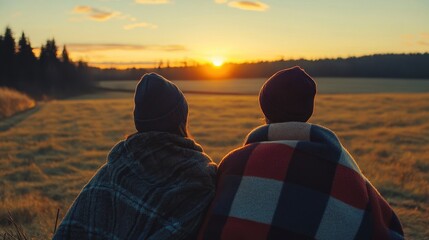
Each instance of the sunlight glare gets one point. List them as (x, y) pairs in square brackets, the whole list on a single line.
[(217, 61)]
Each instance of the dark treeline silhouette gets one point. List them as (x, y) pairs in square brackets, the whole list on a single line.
[(56, 75), (414, 66), (49, 75)]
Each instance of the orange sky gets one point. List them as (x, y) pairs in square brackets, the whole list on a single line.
[(124, 33)]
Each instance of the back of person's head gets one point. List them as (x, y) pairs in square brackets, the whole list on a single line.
[(160, 106), (288, 96)]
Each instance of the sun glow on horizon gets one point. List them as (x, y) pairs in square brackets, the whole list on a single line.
[(217, 61)]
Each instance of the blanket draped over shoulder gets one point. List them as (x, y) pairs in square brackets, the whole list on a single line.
[(295, 181), (153, 186)]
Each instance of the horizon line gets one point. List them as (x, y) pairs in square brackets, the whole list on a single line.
[(193, 63)]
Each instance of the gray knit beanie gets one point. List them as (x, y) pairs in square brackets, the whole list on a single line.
[(159, 106)]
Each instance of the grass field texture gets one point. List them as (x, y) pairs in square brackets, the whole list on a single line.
[(48, 157), (12, 101)]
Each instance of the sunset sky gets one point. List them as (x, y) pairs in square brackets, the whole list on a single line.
[(123, 33)]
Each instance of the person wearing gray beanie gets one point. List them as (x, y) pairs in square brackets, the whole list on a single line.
[(160, 106), (156, 184)]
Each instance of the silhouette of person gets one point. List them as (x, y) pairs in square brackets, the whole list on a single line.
[(156, 184), (293, 179)]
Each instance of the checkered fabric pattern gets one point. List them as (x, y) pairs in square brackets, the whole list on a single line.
[(296, 181)]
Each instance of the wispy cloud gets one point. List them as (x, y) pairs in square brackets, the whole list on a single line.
[(249, 5), (93, 47), (245, 5), (125, 63), (421, 39), (140, 25), (95, 13), (104, 15), (153, 1), (424, 39), (423, 43), (425, 35), (82, 9)]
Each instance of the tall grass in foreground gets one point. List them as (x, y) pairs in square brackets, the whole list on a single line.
[(15, 231), (46, 159), (12, 101)]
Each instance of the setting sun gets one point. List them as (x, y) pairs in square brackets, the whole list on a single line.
[(217, 61)]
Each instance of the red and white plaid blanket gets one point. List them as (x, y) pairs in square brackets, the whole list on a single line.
[(296, 181)]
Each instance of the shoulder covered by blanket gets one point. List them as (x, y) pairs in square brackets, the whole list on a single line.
[(153, 186), (296, 181)]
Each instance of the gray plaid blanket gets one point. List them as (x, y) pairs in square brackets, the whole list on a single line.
[(153, 186)]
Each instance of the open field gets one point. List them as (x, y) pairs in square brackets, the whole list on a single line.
[(47, 158), (324, 85)]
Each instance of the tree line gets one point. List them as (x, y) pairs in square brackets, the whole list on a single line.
[(48, 75), (414, 65), (56, 75)]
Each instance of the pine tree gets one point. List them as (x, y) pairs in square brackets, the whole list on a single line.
[(48, 53), (1, 65), (25, 50), (7, 58), (52, 75), (68, 73), (1, 44), (65, 55), (26, 66), (50, 68)]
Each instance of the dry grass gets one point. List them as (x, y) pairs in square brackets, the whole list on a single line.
[(14, 231), (46, 159), (12, 101)]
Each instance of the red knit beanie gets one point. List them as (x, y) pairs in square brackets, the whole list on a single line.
[(288, 96)]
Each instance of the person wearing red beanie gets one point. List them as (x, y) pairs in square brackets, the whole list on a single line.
[(294, 180), (288, 96)]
